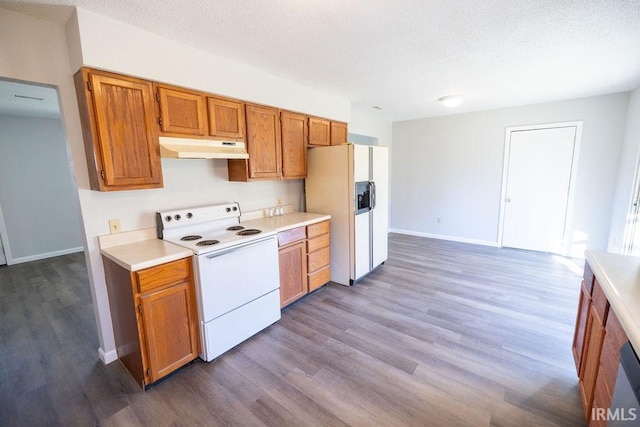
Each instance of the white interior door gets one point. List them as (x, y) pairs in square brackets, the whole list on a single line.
[(537, 190)]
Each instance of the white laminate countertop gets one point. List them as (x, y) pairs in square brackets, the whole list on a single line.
[(140, 249), (619, 277), (287, 221)]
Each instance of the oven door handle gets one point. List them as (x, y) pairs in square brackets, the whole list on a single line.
[(238, 247)]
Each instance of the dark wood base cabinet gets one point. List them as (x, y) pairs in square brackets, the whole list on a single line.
[(154, 315), (597, 340), (304, 260)]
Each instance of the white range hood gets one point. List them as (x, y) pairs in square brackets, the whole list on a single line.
[(186, 148)]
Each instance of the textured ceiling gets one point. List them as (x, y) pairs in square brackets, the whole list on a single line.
[(403, 55)]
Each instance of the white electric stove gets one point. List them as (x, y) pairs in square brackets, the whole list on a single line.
[(236, 272)]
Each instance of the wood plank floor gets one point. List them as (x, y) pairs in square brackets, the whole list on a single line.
[(444, 334)]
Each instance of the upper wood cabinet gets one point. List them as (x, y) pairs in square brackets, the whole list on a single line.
[(294, 145), (338, 133), (182, 112), (276, 142), (319, 131), (263, 146), (120, 131), (226, 118)]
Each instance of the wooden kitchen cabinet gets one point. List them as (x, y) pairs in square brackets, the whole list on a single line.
[(154, 316), (182, 112), (276, 142), (304, 260), (226, 118), (319, 132), (584, 304), (338, 133), (318, 255), (293, 272), (120, 132), (597, 341), (294, 145), (263, 146)]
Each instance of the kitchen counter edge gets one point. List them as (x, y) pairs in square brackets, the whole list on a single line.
[(619, 277), (144, 254), (287, 221)]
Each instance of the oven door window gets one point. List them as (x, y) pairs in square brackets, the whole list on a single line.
[(363, 197)]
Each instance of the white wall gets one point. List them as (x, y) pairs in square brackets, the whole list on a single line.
[(451, 167), (626, 176), (37, 195)]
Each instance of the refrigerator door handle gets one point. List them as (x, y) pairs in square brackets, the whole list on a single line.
[(372, 192)]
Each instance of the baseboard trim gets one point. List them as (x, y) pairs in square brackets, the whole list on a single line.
[(46, 255), (108, 357), (445, 237)]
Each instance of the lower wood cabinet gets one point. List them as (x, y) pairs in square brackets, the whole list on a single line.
[(154, 317), (304, 261), (597, 340)]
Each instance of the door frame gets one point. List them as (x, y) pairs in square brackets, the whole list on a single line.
[(4, 238), (568, 221)]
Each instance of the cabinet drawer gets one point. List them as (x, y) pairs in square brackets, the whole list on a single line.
[(319, 278), (318, 259), (290, 236), (317, 229), (163, 275), (600, 301), (318, 243)]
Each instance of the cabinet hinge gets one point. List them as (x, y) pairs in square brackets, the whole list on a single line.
[(89, 87), (102, 174), (140, 308), (157, 97), (160, 121), (148, 372)]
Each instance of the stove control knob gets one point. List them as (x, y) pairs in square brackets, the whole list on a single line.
[(228, 209), (189, 215), (167, 218), (177, 217), (235, 208)]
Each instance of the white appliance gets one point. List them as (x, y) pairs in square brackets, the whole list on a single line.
[(350, 182), (236, 273)]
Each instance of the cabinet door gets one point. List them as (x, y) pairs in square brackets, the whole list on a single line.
[(338, 133), (263, 142), (319, 131), (590, 362), (170, 327), (581, 325), (119, 130), (182, 112), (226, 118), (294, 145), (293, 273)]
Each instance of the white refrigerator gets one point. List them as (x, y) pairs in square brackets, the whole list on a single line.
[(351, 182)]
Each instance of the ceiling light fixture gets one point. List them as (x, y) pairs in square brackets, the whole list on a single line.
[(451, 101)]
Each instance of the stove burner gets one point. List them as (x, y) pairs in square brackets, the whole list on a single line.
[(248, 232), (191, 237), (208, 243), (235, 228)]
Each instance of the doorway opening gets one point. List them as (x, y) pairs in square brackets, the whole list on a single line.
[(540, 165), (39, 207)]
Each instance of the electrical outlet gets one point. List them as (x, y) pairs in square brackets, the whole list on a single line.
[(114, 226), (438, 220), (278, 201)]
